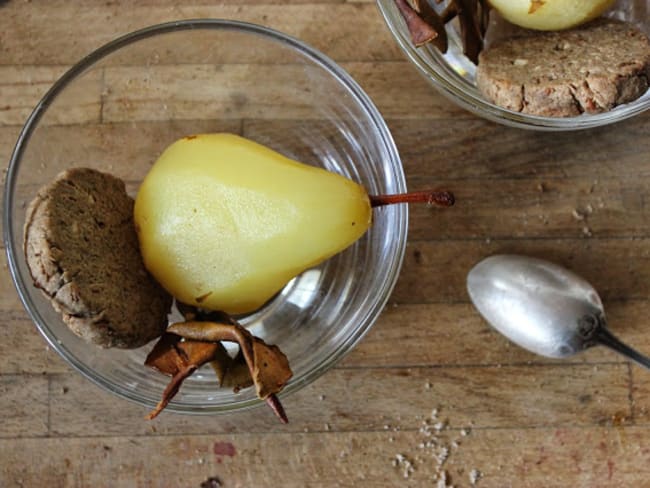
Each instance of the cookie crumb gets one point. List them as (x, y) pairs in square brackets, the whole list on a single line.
[(577, 214), (474, 476), (401, 461)]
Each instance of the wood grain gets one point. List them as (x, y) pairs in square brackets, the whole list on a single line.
[(507, 418), (460, 149), (435, 271), (490, 396), (24, 401), (43, 37), (596, 457)]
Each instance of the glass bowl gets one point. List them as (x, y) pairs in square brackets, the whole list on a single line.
[(119, 107), (453, 75)]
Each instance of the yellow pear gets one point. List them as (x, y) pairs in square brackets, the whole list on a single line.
[(224, 223), (550, 14)]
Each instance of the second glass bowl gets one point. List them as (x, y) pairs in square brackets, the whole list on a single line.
[(453, 75)]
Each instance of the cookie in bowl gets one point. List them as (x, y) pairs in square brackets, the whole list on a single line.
[(590, 69), (82, 251)]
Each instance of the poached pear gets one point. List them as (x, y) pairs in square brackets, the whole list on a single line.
[(549, 15), (224, 223)]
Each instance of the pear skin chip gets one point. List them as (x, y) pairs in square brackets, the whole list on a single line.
[(179, 360), (186, 346), (431, 17), (421, 32), (231, 372), (269, 367), (426, 25)]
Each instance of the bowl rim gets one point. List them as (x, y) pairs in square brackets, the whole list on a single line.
[(318, 58), (446, 84)]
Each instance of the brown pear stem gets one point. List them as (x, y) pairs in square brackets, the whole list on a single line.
[(439, 198), (274, 402)]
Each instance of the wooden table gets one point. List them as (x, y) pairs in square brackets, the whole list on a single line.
[(431, 386)]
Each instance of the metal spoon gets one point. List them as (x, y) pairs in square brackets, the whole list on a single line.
[(542, 307)]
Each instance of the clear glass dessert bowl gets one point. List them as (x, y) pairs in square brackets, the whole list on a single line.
[(453, 75), (119, 107)]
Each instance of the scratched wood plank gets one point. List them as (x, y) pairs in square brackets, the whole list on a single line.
[(468, 148), (554, 458), (348, 399), (399, 91), (595, 457), (81, 104), (43, 37), (435, 271), (234, 91), (475, 148), (616, 267), (486, 208), (24, 404), (456, 329), (126, 150), (640, 380), (405, 335), (21, 87), (527, 208), (456, 335), (8, 138), (143, 93), (23, 349)]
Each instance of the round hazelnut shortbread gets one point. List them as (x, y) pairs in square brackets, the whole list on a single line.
[(82, 251), (590, 69)]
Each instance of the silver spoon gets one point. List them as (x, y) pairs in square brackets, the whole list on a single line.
[(542, 307)]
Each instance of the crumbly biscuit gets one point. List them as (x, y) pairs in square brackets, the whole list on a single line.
[(82, 251), (590, 69)]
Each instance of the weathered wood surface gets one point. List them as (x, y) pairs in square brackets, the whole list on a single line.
[(517, 419)]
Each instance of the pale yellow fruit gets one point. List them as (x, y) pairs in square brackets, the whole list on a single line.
[(550, 14), (224, 223)]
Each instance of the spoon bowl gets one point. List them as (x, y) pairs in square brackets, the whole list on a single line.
[(542, 307)]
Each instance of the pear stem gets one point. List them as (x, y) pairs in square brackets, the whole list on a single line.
[(274, 402), (438, 198)]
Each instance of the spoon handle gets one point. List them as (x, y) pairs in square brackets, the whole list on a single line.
[(606, 338)]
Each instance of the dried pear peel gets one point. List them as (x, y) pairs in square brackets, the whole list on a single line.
[(179, 360), (269, 367), (231, 372), (422, 32), (192, 313), (425, 25), (256, 363)]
